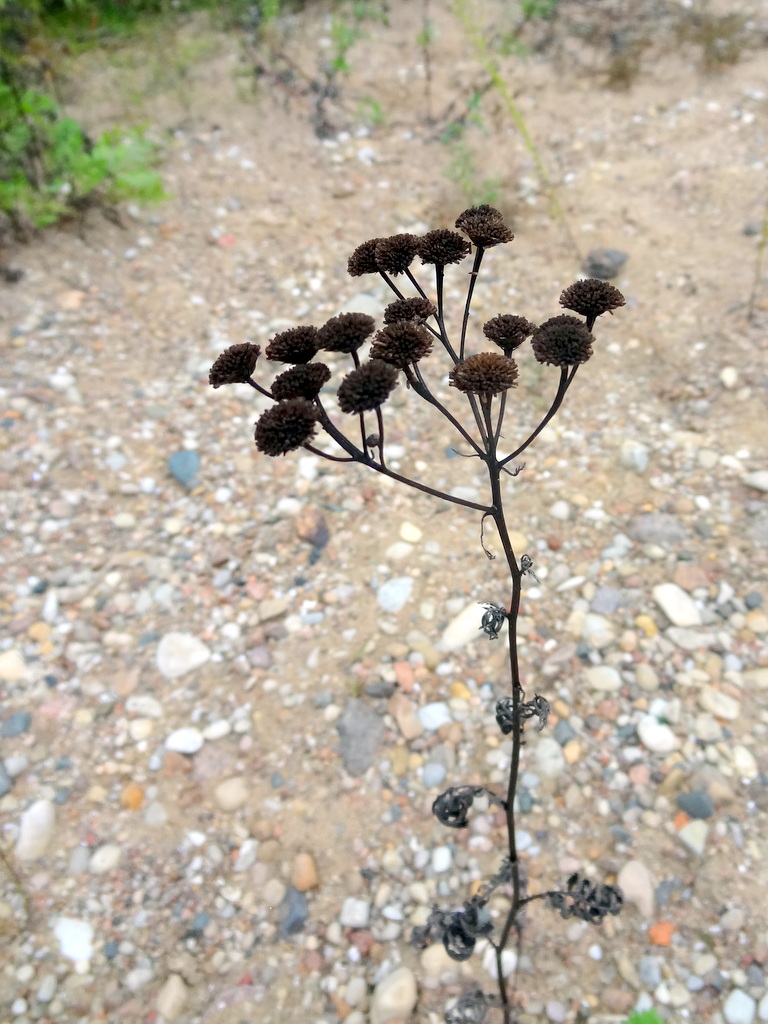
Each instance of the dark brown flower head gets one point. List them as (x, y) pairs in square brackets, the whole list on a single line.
[(592, 297), (367, 387), (484, 374), (443, 246), (402, 343), (304, 381), (235, 365), (363, 259), (286, 426), (509, 332), (296, 345), (484, 226), (395, 254), (345, 332), (409, 309), (562, 341)]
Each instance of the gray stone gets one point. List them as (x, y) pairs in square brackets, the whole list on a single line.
[(6, 782), (293, 912), (360, 731), (433, 774), (16, 724), (657, 528), (395, 593), (433, 715), (604, 263), (184, 466), (697, 804), (758, 480), (649, 970), (694, 835), (606, 601), (634, 455), (355, 913), (548, 757), (739, 1008)]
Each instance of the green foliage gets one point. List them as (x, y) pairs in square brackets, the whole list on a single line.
[(49, 169), (647, 1017), (544, 9), (344, 38), (463, 172), (371, 111)]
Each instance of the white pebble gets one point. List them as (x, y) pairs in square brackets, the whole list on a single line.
[(75, 938), (354, 913), (187, 740), (179, 653), (442, 858), (36, 830), (656, 736)]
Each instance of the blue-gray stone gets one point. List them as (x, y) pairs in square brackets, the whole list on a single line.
[(657, 528), (199, 923), (620, 834), (606, 600), (293, 911), (6, 782), (111, 949), (433, 774), (649, 970), (524, 801), (697, 804), (604, 263), (563, 732), (16, 724), (360, 731), (753, 600), (184, 466)]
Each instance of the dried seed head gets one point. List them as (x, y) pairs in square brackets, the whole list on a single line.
[(509, 332), (365, 388), (443, 246), (304, 381), (363, 259), (484, 374), (402, 343), (296, 345), (235, 365), (409, 309), (396, 253), (562, 341), (345, 332), (484, 226), (592, 297), (286, 426)]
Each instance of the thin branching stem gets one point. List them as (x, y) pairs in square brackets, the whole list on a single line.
[(479, 253), (566, 376), (419, 385)]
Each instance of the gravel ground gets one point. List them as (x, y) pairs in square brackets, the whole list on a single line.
[(232, 686)]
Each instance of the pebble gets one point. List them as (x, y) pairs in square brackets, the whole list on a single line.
[(293, 912), (603, 678), (393, 595), (172, 997), (744, 762), (694, 835), (184, 467), (36, 830), (549, 757), (635, 880), (758, 480), (231, 794), (273, 892), (179, 653), (16, 724), (394, 997), (657, 528), (739, 1008), (355, 913), (697, 804), (762, 1010), (246, 855), (634, 455), (433, 716), (403, 710), (75, 938), (360, 731), (6, 782), (646, 676), (656, 736), (676, 605), (719, 704), (46, 989), (187, 740), (105, 858), (598, 631), (13, 668), (304, 873), (604, 263), (442, 858), (433, 774), (561, 511), (463, 628)]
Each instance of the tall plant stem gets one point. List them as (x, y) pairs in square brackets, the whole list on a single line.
[(476, 37), (566, 376), (479, 253)]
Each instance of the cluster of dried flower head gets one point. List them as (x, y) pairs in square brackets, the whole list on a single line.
[(411, 327)]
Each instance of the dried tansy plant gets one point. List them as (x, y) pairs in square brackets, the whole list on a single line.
[(407, 350)]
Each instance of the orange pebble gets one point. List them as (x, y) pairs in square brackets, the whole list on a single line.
[(132, 797), (681, 819), (661, 933)]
